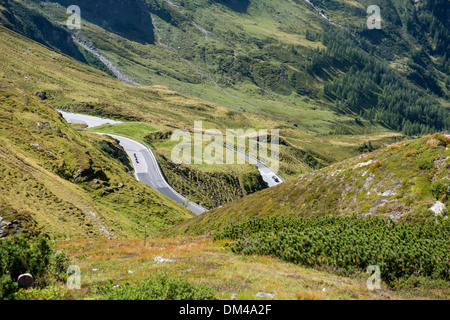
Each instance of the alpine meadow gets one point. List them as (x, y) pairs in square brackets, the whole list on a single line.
[(228, 150)]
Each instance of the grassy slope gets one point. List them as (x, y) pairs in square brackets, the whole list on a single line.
[(60, 178), (190, 63), (399, 181), (75, 86), (203, 261), (245, 60)]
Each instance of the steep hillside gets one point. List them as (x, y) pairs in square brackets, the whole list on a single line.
[(21, 18), (309, 64), (413, 35), (57, 181), (212, 187), (74, 86), (407, 181), (130, 19)]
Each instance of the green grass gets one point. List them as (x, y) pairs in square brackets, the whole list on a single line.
[(133, 130), (161, 287)]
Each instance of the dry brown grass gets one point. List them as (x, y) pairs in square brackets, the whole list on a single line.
[(202, 260), (311, 295), (410, 153), (437, 139), (433, 143), (375, 165)]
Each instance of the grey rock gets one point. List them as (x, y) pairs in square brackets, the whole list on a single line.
[(161, 259), (438, 208), (25, 281), (266, 295)]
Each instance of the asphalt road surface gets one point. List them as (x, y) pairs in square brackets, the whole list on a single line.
[(90, 121), (147, 170), (268, 175), (146, 167)]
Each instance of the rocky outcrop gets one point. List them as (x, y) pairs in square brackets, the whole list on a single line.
[(105, 61)]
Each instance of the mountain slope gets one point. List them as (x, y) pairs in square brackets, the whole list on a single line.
[(403, 181), (23, 18), (58, 181), (74, 86), (130, 19), (283, 60)]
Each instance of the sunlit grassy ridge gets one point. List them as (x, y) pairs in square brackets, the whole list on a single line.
[(402, 181)]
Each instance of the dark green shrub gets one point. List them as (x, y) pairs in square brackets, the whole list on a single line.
[(366, 147), (425, 164), (441, 189), (351, 244), (36, 256), (7, 287)]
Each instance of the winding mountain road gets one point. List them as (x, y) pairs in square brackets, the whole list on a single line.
[(146, 166), (147, 170), (267, 174), (90, 121)]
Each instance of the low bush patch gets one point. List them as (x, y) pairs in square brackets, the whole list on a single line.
[(401, 250)]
